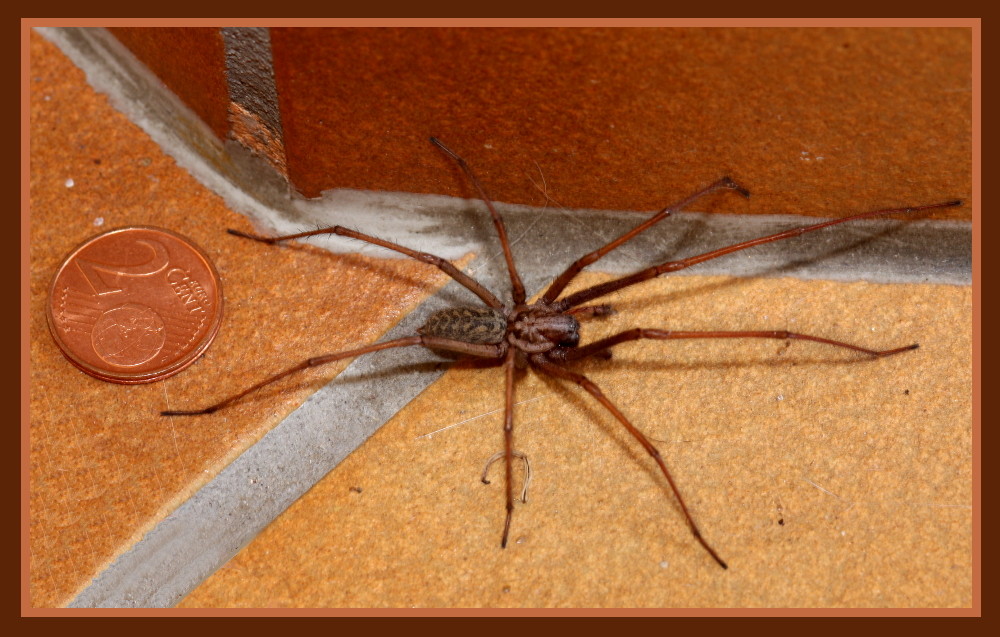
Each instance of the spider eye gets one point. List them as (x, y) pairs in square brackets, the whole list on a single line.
[(570, 340)]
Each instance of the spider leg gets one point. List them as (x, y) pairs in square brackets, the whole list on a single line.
[(588, 311), (486, 351), (601, 346), (602, 289), (564, 279), (539, 362), (517, 287), (475, 286), (508, 441)]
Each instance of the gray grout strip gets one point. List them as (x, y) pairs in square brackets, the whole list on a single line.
[(216, 522)]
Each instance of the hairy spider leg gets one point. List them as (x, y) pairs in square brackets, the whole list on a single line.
[(599, 347), (444, 265), (517, 287), (508, 441), (557, 286), (518, 297), (539, 362), (602, 289), (434, 342)]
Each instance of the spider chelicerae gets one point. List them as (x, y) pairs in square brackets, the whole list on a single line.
[(545, 335)]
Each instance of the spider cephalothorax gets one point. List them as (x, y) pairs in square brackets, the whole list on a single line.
[(539, 328), (545, 335)]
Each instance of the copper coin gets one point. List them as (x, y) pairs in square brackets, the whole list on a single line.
[(135, 305)]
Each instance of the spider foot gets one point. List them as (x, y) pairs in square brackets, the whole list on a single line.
[(727, 182), (188, 412)]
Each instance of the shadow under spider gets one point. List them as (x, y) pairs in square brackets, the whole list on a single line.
[(617, 434), (319, 382), (734, 281), (372, 263), (665, 366)]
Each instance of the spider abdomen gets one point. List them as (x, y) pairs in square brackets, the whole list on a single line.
[(479, 325)]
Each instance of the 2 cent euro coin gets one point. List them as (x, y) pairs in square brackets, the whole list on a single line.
[(135, 305)]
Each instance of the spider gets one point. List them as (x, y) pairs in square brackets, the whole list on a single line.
[(545, 335)]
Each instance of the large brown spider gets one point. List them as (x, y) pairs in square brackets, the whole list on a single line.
[(545, 335)]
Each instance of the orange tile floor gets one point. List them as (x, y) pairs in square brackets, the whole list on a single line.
[(822, 479)]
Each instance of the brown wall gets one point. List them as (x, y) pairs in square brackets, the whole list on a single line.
[(191, 61), (813, 121)]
